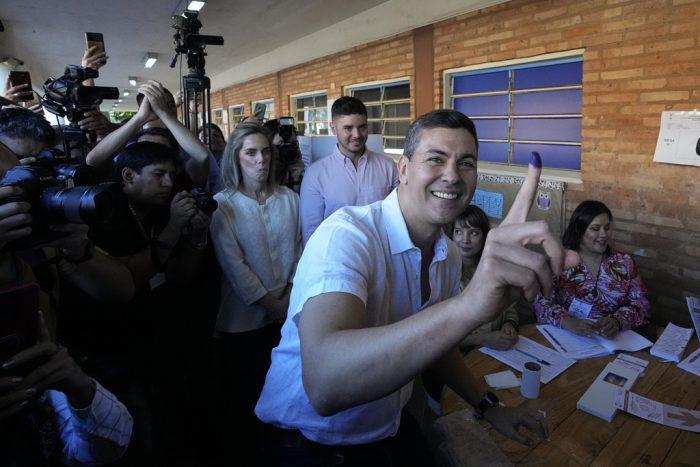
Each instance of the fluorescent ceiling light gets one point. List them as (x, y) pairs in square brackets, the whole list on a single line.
[(149, 59), (132, 80), (196, 5), (125, 93)]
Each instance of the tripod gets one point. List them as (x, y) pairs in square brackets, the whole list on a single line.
[(196, 89)]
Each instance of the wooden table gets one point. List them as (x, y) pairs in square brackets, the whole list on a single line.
[(577, 438)]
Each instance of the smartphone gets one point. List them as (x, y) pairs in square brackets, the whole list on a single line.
[(19, 318), (286, 128), (259, 111), (95, 39), (22, 77)]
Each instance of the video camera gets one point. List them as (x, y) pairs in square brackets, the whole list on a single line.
[(189, 41), (67, 96), (59, 193)]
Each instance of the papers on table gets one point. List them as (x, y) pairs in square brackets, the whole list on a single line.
[(527, 350), (692, 363), (694, 309), (502, 380), (672, 343), (578, 347), (657, 412)]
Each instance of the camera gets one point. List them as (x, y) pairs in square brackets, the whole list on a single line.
[(68, 97), (50, 188), (189, 41), (204, 200)]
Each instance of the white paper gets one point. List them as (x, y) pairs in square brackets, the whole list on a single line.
[(679, 138), (672, 343), (502, 380), (527, 350), (694, 309), (634, 363), (692, 363), (658, 412), (579, 347)]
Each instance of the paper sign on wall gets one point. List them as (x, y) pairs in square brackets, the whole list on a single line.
[(491, 203), (679, 138)]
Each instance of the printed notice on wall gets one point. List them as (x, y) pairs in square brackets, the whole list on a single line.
[(679, 138), (491, 203)]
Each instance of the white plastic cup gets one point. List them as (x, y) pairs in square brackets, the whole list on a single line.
[(530, 384)]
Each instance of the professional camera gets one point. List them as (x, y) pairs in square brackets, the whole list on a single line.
[(189, 41), (55, 199), (204, 200), (67, 96), (288, 150), (64, 170)]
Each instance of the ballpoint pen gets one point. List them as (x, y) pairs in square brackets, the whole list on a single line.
[(554, 339), (544, 362)]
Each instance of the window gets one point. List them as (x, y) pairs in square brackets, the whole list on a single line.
[(269, 108), (310, 113), (220, 119), (235, 115), (388, 110), (523, 107)]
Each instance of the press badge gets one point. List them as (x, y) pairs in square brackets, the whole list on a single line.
[(157, 280), (580, 309)]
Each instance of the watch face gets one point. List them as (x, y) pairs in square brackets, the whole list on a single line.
[(491, 398)]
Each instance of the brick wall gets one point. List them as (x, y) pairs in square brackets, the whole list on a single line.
[(641, 57)]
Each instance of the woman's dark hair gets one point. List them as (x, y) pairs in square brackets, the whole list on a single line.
[(473, 217), (580, 220)]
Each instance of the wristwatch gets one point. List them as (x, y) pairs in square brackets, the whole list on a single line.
[(489, 400)]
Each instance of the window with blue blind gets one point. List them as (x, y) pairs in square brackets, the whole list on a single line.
[(525, 107)]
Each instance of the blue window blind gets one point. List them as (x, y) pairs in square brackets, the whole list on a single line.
[(527, 107)]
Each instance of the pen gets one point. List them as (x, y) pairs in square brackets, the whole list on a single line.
[(544, 362), (694, 358), (554, 339)]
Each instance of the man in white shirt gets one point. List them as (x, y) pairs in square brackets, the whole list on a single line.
[(376, 301)]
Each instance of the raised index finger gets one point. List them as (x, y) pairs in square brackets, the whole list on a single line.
[(526, 195)]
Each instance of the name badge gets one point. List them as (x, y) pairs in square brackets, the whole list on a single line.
[(580, 309), (157, 280)]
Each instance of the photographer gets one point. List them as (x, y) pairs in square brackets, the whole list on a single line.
[(289, 167), (137, 350), (78, 412), (157, 108)]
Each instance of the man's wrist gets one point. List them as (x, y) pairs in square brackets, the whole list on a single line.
[(488, 401)]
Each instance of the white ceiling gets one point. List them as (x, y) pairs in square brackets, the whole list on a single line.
[(260, 36)]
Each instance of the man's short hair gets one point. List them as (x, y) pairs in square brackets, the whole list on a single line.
[(136, 156), (347, 105), (20, 123), (443, 118)]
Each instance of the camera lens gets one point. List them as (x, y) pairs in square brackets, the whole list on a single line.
[(79, 205)]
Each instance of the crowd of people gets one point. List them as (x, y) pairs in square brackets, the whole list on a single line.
[(282, 318)]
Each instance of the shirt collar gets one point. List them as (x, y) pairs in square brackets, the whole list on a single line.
[(345, 159), (397, 231)]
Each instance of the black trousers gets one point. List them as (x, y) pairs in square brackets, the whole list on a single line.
[(289, 448)]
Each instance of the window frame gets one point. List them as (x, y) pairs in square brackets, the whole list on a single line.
[(270, 104), (575, 55), (236, 117), (224, 124), (350, 90), (294, 98)]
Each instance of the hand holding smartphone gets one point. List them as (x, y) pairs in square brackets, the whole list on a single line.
[(97, 57), (18, 87)]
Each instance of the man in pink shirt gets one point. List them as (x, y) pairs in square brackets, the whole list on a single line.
[(351, 175)]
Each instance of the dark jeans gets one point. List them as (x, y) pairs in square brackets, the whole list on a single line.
[(289, 448)]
